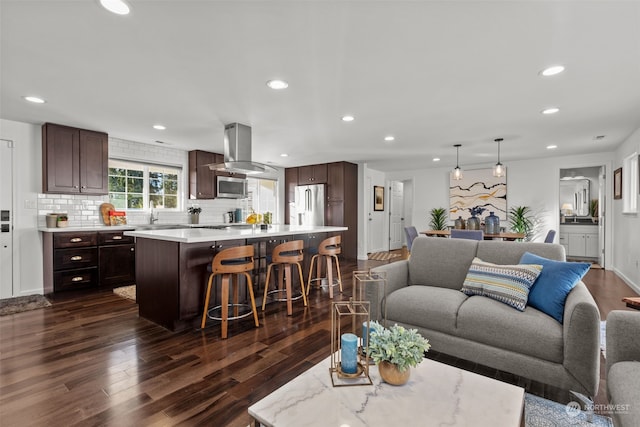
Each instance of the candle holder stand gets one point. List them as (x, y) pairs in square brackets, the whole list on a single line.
[(346, 316)]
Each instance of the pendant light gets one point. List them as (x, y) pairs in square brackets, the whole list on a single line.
[(457, 172), (498, 169)]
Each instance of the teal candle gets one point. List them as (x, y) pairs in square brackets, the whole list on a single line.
[(366, 332), (349, 353)]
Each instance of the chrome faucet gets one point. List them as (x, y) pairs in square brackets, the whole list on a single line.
[(152, 218)]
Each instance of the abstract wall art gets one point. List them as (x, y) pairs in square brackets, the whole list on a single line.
[(478, 188)]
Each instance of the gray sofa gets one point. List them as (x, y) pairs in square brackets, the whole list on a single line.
[(623, 367), (423, 292)]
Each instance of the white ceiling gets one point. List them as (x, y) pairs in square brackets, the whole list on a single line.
[(432, 74)]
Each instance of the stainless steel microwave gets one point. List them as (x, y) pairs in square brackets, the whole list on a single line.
[(229, 187)]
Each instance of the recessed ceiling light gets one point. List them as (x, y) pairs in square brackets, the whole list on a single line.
[(119, 7), (159, 127), (552, 71), (284, 155), (389, 138), (551, 110), (348, 118), (277, 84), (34, 99), (436, 159), (551, 147)]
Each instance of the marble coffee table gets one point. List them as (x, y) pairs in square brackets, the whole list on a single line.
[(436, 394)]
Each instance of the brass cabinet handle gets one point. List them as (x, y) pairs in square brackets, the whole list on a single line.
[(76, 258), (77, 279), (117, 237), (76, 240)]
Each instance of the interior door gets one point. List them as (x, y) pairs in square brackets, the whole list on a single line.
[(396, 214), (602, 192), (375, 231), (6, 219)]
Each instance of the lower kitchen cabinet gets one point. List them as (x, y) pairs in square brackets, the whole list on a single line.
[(580, 241)]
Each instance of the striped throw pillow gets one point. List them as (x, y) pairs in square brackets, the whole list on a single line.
[(509, 284)]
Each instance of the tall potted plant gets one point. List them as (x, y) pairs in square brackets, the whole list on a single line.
[(521, 221), (438, 219)]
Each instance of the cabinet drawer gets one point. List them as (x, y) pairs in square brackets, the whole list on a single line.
[(75, 279), (74, 240), (114, 238), (64, 259)]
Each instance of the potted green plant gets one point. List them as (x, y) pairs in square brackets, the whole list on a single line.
[(593, 210), (438, 219), (62, 221), (195, 213), (521, 221), (395, 350)]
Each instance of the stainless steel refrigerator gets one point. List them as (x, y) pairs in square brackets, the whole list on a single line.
[(309, 205)]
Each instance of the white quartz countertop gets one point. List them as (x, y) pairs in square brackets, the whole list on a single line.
[(200, 235), (135, 226)]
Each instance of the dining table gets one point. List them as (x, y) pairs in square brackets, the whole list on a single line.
[(504, 235)]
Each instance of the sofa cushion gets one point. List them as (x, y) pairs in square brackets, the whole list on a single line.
[(550, 290), (509, 284), (528, 332), (440, 262), (428, 307), (509, 253), (622, 385)]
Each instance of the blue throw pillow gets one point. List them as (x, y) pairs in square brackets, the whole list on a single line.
[(550, 290)]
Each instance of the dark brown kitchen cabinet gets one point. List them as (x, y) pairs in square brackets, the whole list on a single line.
[(117, 259), (74, 160), (290, 184), (313, 174), (201, 178)]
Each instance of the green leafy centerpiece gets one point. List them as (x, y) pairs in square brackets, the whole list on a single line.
[(395, 350)]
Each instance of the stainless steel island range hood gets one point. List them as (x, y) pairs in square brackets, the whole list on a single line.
[(237, 152)]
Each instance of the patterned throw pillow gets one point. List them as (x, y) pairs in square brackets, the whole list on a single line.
[(509, 284)]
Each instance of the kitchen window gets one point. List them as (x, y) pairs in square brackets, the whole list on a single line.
[(263, 196), (141, 186)]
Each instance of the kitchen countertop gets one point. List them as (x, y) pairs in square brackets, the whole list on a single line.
[(199, 235), (135, 226)]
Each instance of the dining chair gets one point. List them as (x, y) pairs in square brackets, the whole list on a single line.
[(551, 235), (467, 234), (411, 233)]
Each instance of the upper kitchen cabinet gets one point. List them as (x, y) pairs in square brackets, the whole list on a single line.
[(290, 183), (313, 174), (74, 160), (201, 178)]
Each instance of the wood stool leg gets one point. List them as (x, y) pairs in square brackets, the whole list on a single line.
[(313, 259), (287, 279), (330, 276), (338, 270), (304, 296), (280, 277), (266, 287), (225, 304), (206, 302), (253, 301), (236, 295)]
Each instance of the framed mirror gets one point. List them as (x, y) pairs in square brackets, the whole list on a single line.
[(574, 196)]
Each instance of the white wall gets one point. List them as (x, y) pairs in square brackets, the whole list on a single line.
[(626, 234), (27, 181)]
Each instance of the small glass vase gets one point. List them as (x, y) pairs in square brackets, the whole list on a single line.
[(492, 224), (473, 223), (459, 224)]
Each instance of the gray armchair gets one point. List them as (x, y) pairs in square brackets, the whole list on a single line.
[(623, 366)]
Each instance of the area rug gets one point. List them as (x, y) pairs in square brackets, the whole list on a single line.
[(383, 256), (539, 412), (128, 292), (20, 304)]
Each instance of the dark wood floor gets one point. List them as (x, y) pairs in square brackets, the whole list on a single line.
[(89, 360)]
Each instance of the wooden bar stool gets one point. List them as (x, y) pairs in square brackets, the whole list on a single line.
[(328, 250), (231, 263), (284, 256)]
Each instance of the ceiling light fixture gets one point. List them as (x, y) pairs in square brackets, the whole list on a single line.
[(389, 138), (277, 84), (552, 71), (498, 169), (457, 172), (119, 7), (551, 110), (551, 147), (34, 99), (347, 118), (159, 127), (284, 155), (436, 159)]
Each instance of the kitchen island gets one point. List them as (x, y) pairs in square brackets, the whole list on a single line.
[(171, 265)]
